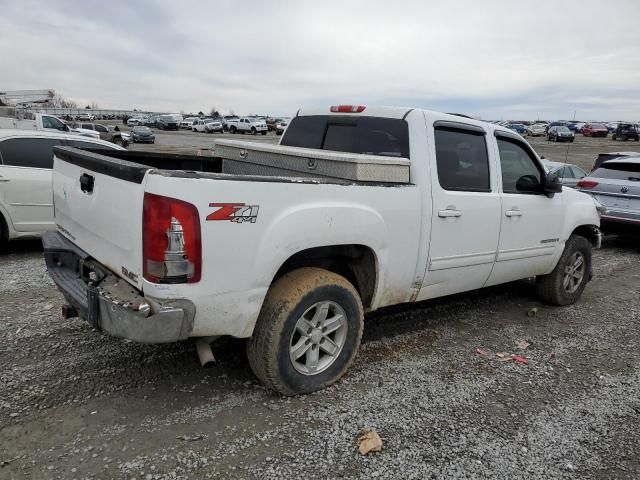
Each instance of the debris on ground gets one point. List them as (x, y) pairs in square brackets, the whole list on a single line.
[(187, 438), (523, 344), (532, 312), (504, 356), (481, 351), (369, 441), (520, 359)]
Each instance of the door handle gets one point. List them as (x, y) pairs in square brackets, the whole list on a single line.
[(514, 212), (449, 212)]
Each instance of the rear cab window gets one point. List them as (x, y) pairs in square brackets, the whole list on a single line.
[(387, 137)]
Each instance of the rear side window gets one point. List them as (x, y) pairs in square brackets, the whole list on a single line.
[(387, 137), (619, 171), (462, 159), (28, 152)]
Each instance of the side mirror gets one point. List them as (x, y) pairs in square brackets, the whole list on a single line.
[(552, 185), (66, 128), (528, 183)]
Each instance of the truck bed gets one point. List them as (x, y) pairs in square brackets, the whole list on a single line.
[(132, 166)]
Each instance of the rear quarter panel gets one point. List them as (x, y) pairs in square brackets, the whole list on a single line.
[(240, 259)]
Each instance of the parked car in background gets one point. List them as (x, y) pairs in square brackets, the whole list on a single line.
[(226, 119), (560, 134), (77, 128), (281, 127), (198, 125), (26, 199), (35, 121), (188, 122), (108, 133), (595, 130), (133, 121), (169, 121), (567, 174), (86, 117), (537, 130), (248, 125), (575, 126), (605, 157), (625, 131), (272, 123), (616, 185), (142, 134), (214, 126), (517, 127)]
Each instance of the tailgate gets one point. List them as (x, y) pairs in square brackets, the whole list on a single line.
[(98, 205)]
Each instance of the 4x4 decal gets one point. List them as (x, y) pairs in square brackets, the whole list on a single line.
[(234, 212)]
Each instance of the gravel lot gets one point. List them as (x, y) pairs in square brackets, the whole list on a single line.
[(77, 404)]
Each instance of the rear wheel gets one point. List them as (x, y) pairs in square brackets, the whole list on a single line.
[(308, 332), (233, 130), (263, 132), (567, 281), (118, 141)]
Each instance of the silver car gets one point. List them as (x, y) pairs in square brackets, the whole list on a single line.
[(568, 174), (616, 185)]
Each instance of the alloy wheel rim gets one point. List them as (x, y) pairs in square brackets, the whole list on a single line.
[(318, 338), (574, 273)]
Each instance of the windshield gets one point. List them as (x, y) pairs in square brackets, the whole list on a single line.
[(598, 125), (368, 135), (563, 129), (141, 129)]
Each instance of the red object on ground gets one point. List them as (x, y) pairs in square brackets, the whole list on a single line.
[(520, 359)]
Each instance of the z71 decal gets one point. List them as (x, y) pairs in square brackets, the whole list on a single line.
[(234, 212)]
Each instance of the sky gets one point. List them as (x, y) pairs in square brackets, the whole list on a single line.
[(493, 59)]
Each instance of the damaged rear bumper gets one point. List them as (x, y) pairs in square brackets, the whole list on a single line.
[(109, 303)]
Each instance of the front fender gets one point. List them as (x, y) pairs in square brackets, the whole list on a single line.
[(580, 211)]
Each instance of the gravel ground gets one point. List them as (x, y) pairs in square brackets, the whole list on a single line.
[(77, 404)]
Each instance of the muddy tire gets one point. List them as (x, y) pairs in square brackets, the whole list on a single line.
[(566, 283), (308, 332)]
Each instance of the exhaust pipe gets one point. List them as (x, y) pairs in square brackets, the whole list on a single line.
[(203, 347), (69, 311)]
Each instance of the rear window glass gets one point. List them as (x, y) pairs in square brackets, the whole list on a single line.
[(369, 135), (89, 145), (618, 171)]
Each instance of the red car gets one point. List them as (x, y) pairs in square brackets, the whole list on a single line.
[(595, 130)]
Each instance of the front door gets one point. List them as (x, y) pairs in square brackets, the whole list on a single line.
[(466, 211), (531, 225)]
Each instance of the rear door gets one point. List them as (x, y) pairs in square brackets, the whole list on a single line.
[(531, 222), (101, 212), (25, 182), (465, 221)]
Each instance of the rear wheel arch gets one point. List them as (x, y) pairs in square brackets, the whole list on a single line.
[(4, 229), (355, 262)]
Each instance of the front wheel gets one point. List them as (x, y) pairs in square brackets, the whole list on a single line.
[(253, 130), (308, 332), (565, 284), (263, 132)]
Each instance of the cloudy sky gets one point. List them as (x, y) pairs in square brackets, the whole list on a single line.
[(491, 58)]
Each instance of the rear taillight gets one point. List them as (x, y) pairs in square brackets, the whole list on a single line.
[(587, 184), (347, 108), (171, 243)]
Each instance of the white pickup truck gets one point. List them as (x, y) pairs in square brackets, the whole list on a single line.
[(162, 248), (247, 125), (37, 121)]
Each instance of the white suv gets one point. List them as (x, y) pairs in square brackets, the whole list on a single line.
[(26, 160)]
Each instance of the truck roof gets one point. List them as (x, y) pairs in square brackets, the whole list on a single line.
[(402, 112)]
